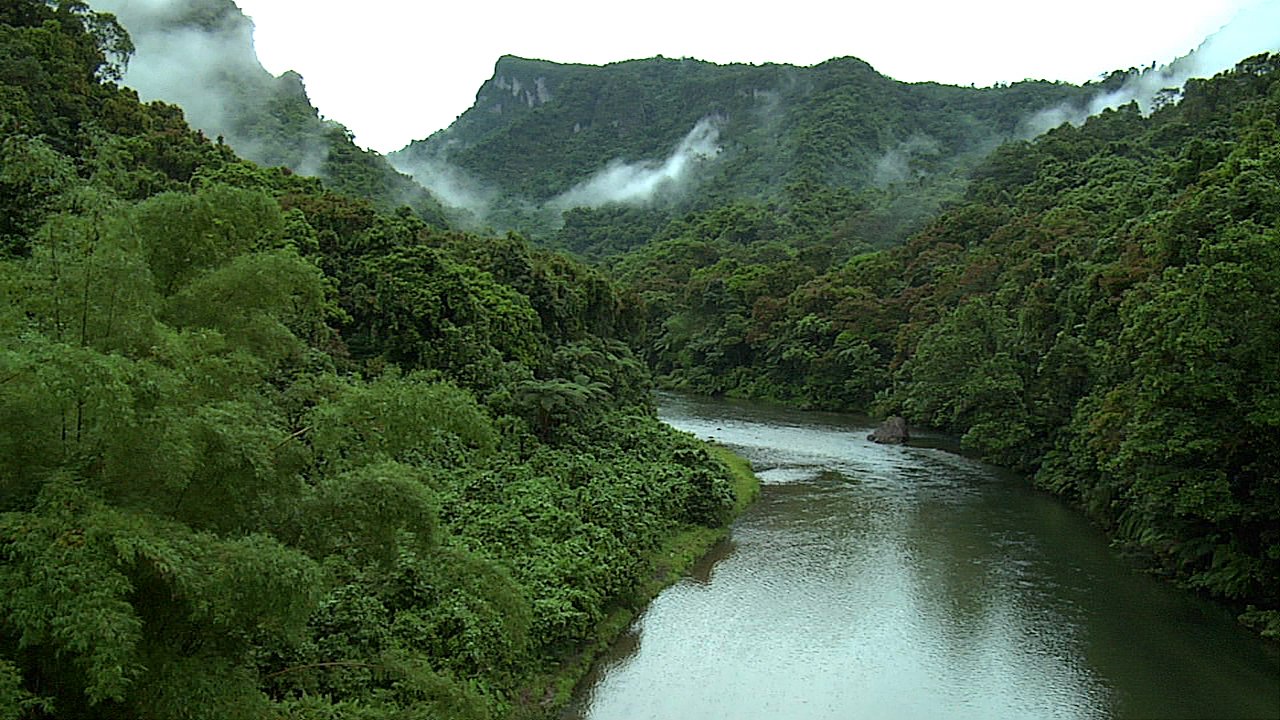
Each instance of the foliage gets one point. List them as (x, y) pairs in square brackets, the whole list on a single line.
[(538, 129), (272, 451), (264, 118), (1099, 311)]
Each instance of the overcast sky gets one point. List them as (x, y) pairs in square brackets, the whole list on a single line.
[(395, 70)]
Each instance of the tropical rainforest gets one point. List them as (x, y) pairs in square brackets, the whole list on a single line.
[(315, 447), (1101, 310), (1095, 306), (270, 451), (877, 155)]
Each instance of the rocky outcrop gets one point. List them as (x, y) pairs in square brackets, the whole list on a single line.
[(892, 431)]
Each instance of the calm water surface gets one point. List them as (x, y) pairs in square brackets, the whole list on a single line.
[(889, 582)]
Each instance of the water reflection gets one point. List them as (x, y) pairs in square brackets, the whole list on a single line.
[(892, 582)]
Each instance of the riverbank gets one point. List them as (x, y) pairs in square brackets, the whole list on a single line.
[(905, 581), (546, 695)]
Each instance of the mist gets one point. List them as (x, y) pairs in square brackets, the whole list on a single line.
[(477, 205), (901, 163), (213, 74), (176, 64), (452, 185), (636, 183), (1252, 31)]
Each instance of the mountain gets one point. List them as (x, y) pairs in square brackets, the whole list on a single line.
[(1099, 310), (199, 54), (600, 159), (681, 133), (271, 452)]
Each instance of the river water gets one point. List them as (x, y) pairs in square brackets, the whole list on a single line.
[(887, 582)]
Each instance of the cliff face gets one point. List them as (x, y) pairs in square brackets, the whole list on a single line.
[(537, 128), (533, 95)]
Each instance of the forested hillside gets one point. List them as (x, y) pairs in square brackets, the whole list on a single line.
[(199, 54), (1102, 310), (285, 446), (661, 136), (270, 451)]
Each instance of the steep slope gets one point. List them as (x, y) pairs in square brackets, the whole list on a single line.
[(645, 131), (599, 159), (199, 55), (537, 128), (1100, 310), (269, 452)]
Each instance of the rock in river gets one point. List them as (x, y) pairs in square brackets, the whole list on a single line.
[(892, 430)]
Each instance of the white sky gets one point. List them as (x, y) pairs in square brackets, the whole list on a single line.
[(396, 70)]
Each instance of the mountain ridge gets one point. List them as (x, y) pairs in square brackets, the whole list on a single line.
[(225, 91), (657, 136), (540, 129)]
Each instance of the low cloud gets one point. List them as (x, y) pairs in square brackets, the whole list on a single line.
[(476, 204), (1252, 31), (449, 183), (213, 74), (179, 64), (636, 183), (902, 162)]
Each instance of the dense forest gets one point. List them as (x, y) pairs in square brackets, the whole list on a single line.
[(273, 451), (224, 91), (879, 155), (537, 125), (1100, 310), (299, 447)]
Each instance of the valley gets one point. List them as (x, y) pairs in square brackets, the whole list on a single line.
[(296, 430)]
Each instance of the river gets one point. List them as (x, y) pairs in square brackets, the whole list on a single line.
[(889, 582)]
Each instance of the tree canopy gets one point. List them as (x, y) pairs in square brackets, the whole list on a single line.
[(275, 451), (1095, 310)]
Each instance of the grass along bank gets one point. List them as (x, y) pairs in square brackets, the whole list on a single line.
[(547, 694)]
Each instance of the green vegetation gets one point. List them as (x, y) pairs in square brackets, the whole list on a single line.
[(1099, 310), (286, 447), (873, 157), (670, 561), (270, 120), (536, 125), (271, 451)]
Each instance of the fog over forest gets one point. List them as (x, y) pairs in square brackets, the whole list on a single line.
[(290, 434)]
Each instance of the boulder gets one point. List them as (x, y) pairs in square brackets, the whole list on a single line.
[(893, 430)]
